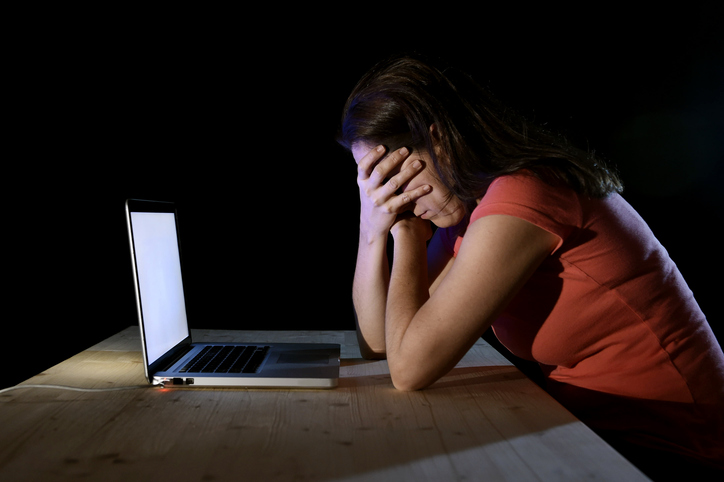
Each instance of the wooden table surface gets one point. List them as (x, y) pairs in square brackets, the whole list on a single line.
[(483, 421)]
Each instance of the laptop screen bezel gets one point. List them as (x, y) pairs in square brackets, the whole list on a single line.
[(148, 206)]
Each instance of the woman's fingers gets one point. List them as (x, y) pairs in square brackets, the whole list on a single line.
[(375, 170), (399, 180), (385, 187), (383, 180), (389, 165), (398, 203), (367, 163)]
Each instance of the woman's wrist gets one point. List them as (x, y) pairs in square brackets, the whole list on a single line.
[(411, 229), (370, 237)]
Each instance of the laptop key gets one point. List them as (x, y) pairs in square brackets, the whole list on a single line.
[(189, 367), (256, 359), (219, 356), (230, 359), (227, 359), (240, 362)]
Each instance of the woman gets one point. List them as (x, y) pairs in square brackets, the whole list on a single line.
[(534, 240)]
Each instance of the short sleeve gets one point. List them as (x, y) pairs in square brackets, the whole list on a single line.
[(522, 195)]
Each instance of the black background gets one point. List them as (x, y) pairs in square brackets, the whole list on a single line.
[(233, 115)]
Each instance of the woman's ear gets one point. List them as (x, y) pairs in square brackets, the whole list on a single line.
[(436, 136), (435, 133)]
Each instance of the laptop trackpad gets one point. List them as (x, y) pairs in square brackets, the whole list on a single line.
[(304, 357)]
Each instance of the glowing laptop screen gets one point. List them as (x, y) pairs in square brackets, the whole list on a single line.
[(159, 277)]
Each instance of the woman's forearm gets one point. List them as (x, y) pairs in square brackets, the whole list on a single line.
[(380, 205), (369, 295), (408, 291)]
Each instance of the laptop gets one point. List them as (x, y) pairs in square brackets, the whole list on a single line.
[(171, 357)]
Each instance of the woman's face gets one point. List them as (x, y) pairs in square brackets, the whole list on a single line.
[(438, 206)]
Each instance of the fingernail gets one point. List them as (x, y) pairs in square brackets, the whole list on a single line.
[(416, 165), (380, 148), (403, 151)]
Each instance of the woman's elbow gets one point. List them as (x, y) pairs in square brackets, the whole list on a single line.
[(408, 381), (373, 355), (368, 353), (408, 387)]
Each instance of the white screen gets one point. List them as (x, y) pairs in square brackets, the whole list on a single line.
[(159, 279)]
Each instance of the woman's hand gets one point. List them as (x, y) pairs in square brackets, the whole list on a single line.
[(421, 229), (381, 182)]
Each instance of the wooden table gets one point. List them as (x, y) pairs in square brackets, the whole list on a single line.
[(483, 421)]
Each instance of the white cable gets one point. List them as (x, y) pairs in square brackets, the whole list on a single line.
[(76, 389)]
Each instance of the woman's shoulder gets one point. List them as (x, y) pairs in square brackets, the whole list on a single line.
[(525, 195)]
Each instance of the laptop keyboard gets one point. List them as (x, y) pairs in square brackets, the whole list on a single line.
[(227, 359)]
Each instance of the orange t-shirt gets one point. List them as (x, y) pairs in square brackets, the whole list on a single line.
[(609, 317)]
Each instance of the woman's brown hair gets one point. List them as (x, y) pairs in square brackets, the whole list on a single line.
[(475, 140)]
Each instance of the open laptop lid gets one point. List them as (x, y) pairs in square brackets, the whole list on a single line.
[(157, 274)]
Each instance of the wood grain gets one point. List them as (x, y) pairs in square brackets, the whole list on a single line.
[(483, 421)]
